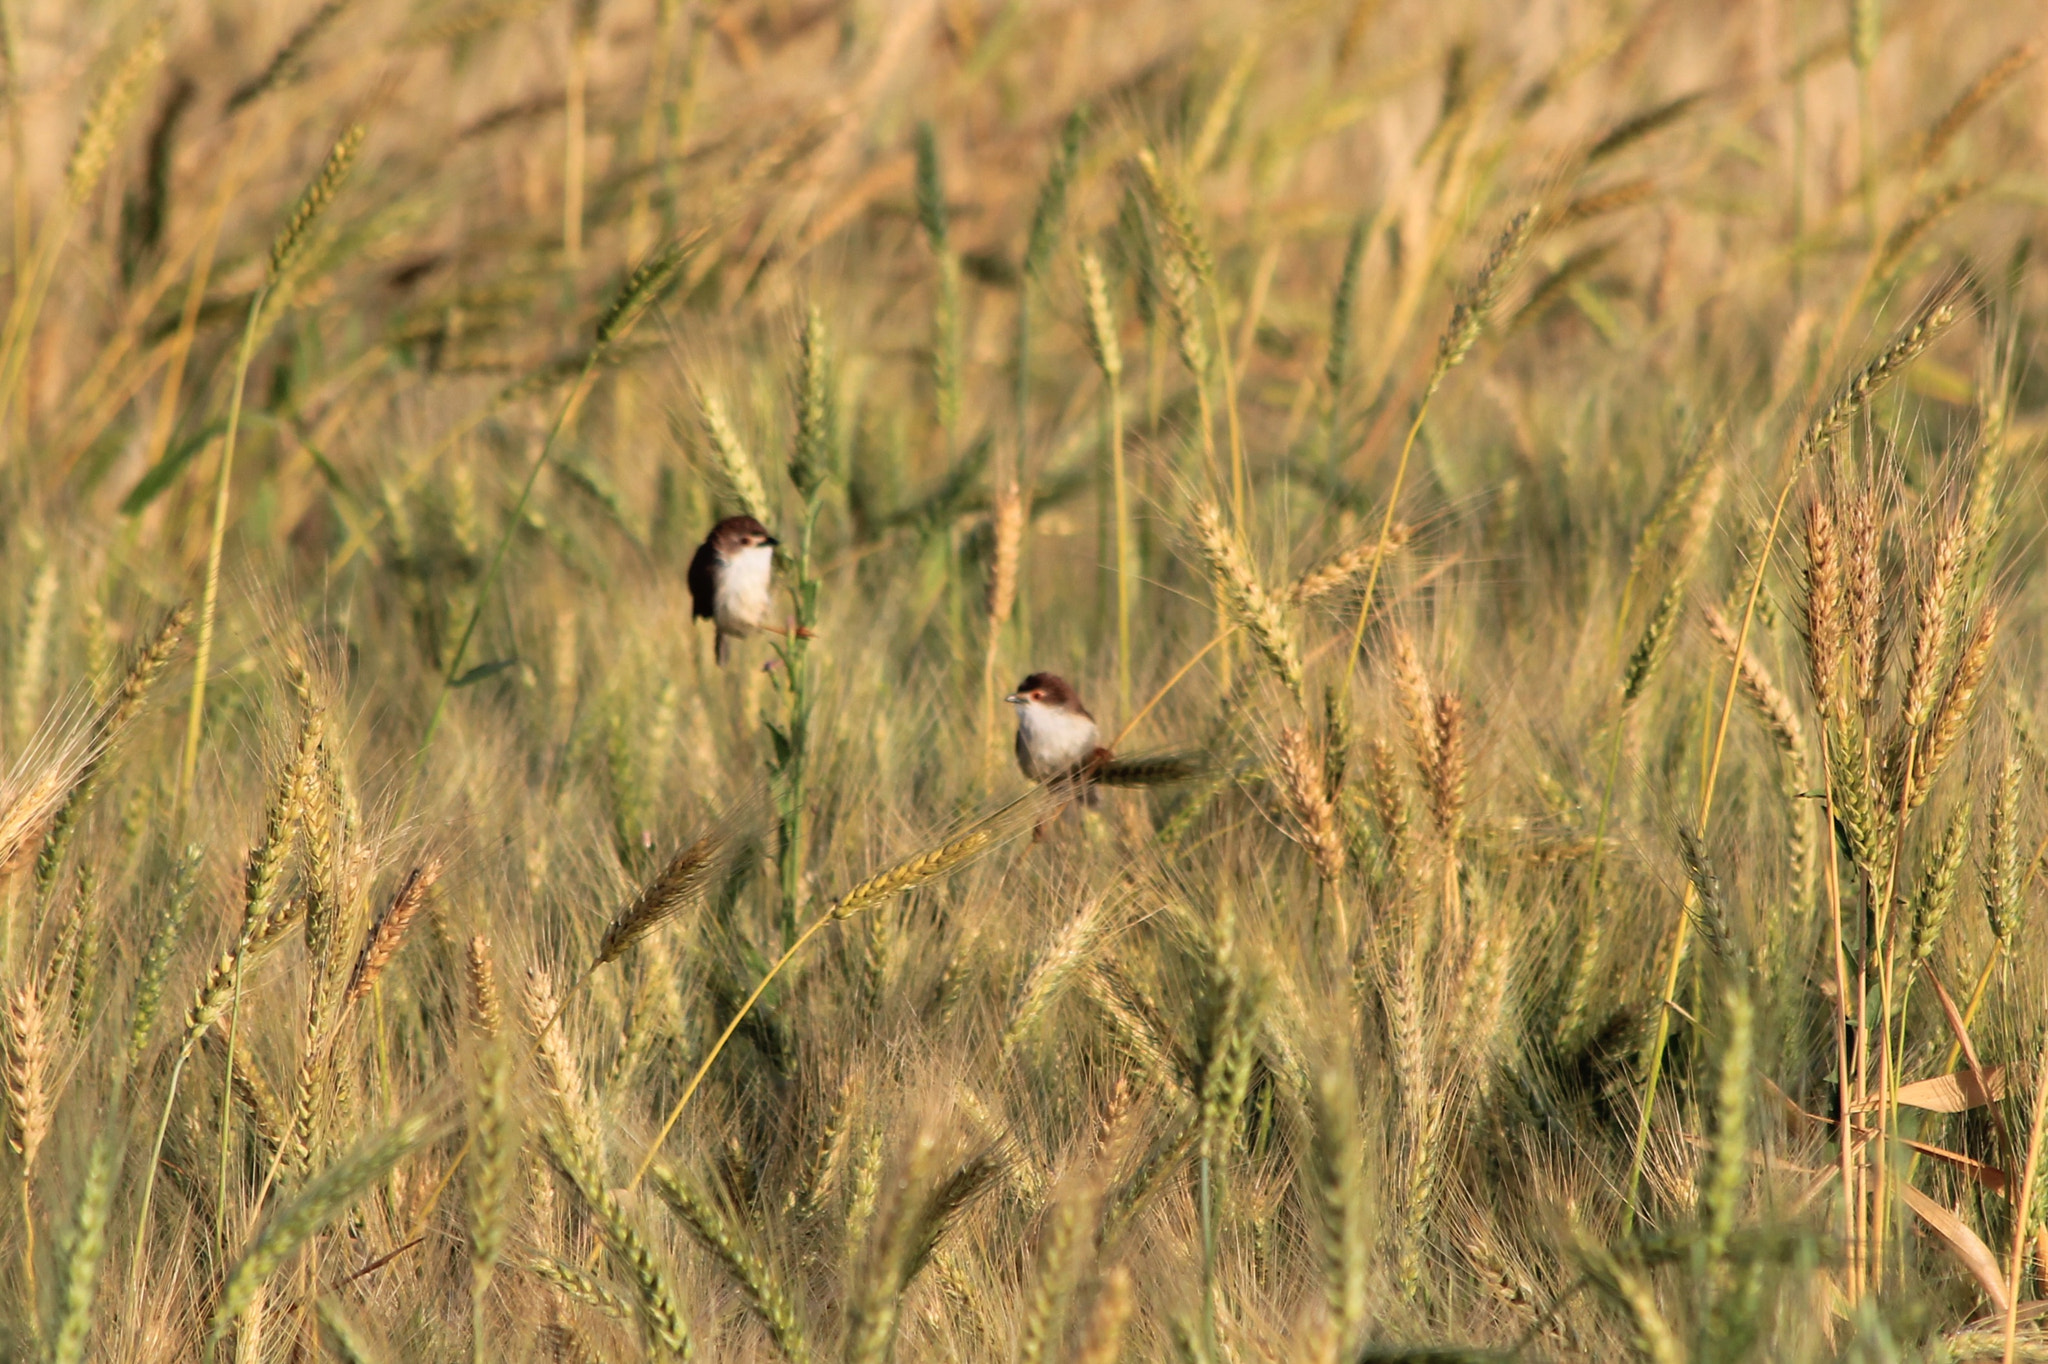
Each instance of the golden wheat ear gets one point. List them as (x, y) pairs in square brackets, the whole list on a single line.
[(1152, 769)]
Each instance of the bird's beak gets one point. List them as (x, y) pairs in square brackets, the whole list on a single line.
[(771, 541), (1014, 699)]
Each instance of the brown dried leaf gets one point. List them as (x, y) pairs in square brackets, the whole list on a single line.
[(1954, 1093), (1964, 1244)]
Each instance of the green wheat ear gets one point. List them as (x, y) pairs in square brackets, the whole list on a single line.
[(109, 115), (290, 243), (319, 1203), (646, 286)]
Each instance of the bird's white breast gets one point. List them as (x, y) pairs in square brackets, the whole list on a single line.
[(1051, 741), (743, 594)]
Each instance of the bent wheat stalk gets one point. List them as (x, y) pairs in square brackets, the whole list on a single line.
[(928, 866)]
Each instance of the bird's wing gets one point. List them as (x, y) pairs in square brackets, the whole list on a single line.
[(703, 582)]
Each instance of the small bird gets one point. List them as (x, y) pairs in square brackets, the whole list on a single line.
[(1057, 741), (729, 579)]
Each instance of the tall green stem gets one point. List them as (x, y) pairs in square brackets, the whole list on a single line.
[(490, 578), (227, 1112), (1379, 549), (1123, 544), (793, 739), (1668, 998), (209, 601)]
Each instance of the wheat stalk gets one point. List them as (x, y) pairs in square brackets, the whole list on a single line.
[(2002, 875), (574, 1283), (288, 247), (1930, 634), (341, 1334), (754, 1275), (1952, 711), (486, 1004), (389, 932), (1102, 1340), (560, 1073), (902, 877), (1307, 788), (735, 466), (1936, 316), (1336, 1167), (1246, 597), (31, 662), (1772, 705), (79, 1288), (1058, 1268), (1105, 345), (28, 809), (1824, 626), (323, 1199), (165, 936), (680, 882), (1974, 97), (27, 1077), (661, 1320), (1938, 881), (495, 1138), (1068, 953), (1327, 577)]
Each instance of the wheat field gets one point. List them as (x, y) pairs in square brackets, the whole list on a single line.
[(1544, 503)]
